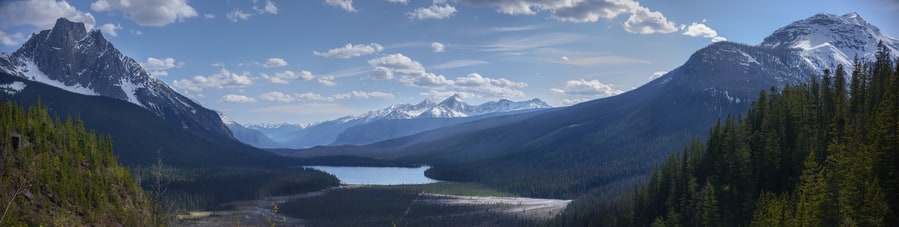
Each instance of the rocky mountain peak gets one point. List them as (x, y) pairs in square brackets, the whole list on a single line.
[(70, 57), (842, 37)]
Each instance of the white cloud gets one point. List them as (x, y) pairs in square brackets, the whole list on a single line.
[(486, 87), (433, 12), (157, 66), (286, 75), (364, 95), (274, 62), (237, 14), (458, 64), (137, 33), (343, 4), (237, 98), (351, 50), (11, 39), (641, 19), (268, 8), (412, 73), (161, 64), (397, 64), (437, 47), (399, 1), (697, 30), (587, 88), (110, 29), (565, 58), (41, 14), (148, 13), (222, 79), (276, 96), (209, 16), (381, 73), (327, 80)]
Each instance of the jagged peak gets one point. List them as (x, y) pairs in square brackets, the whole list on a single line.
[(455, 98)]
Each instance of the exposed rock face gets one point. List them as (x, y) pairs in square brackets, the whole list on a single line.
[(72, 58)]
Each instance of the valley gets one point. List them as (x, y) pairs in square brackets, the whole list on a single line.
[(427, 204)]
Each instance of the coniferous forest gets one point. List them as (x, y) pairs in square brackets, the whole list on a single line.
[(825, 153), (54, 172)]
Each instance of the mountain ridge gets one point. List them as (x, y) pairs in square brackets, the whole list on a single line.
[(330, 132)]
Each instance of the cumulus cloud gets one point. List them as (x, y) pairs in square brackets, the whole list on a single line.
[(641, 20), (327, 80), (587, 88), (158, 66), (274, 62), (222, 79), (701, 30), (351, 50), (434, 12), (287, 75), (412, 73), (209, 16), (237, 98), (41, 14), (110, 29), (437, 47), (11, 39), (276, 96), (486, 87), (237, 15), (148, 13), (644, 21), (161, 64), (381, 73), (343, 4)]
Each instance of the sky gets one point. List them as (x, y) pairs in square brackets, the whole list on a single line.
[(273, 61)]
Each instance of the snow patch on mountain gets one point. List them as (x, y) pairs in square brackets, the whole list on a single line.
[(826, 40), (130, 90), (32, 72)]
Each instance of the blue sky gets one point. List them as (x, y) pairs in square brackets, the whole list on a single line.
[(308, 61)]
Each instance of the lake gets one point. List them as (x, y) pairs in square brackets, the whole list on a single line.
[(377, 175)]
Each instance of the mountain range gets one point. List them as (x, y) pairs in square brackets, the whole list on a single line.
[(377, 125), (606, 144)]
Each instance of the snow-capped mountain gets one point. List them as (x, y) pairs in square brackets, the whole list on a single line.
[(825, 40), (70, 57), (324, 133)]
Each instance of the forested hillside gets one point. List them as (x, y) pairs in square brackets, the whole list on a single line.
[(55, 173), (816, 154)]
